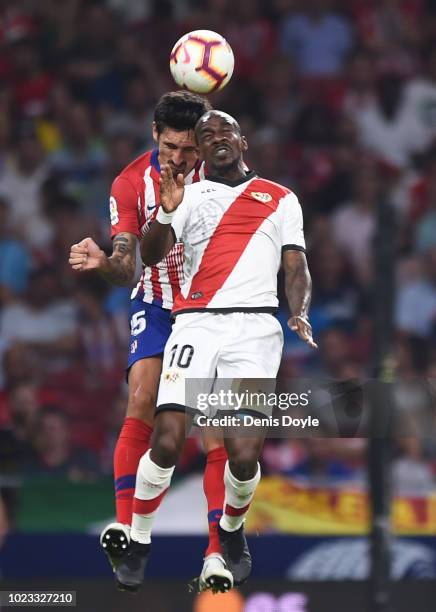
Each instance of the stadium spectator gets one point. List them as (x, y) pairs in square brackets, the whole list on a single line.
[(317, 39), (336, 300), (55, 453), (81, 156), (15, 259), (21, 177), (416, 297), (385, 126), (411, 474), (354, 223), (45, 322)]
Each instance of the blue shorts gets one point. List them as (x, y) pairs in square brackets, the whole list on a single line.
[(150, 327)]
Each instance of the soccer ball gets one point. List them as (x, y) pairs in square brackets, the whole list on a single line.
[(202, 61)]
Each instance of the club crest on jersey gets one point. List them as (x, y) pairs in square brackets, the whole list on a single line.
[(171, 376), (113, 209), (261, 196)]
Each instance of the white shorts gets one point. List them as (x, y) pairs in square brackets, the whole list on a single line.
[(208, 352)]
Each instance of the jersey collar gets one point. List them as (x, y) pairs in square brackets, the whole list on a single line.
[(155, 166), (250, 174)]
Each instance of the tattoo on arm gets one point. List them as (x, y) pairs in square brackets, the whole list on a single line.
[(120, 268), (298, 284), (121, 244)]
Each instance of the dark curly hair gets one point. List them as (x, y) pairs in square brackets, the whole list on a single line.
[(179, 110)]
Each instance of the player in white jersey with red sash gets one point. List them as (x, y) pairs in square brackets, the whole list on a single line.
[(237, 229), (134, 204)]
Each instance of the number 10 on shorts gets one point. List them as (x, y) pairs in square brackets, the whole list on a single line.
[(182, 356)]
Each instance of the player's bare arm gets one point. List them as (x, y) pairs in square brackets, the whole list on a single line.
[(118, 269), (298, 289), (159, 240)]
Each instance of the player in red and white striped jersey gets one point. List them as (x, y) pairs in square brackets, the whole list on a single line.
[(237, 229), (134, 204)]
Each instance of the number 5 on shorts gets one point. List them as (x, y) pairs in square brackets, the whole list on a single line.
[(184, 355), (138, 323)]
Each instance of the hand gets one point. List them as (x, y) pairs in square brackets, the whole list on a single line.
[(171, 191), (86, 255), (303, 328)]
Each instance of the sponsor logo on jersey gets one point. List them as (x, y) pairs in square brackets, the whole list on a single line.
[(261, 196), (208, 190), (113, 209), (196, 295)]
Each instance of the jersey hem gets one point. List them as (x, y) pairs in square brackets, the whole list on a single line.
[(172, 407), (259, 309)]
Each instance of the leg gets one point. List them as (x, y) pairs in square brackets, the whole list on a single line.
[(133, 442), (134, 439), (214, 575), (151, 327), (153, 479), (156, 469), (241, 477), (213, 485)]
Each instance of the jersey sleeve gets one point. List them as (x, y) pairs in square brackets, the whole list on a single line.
[(292, 224), (123, 206)]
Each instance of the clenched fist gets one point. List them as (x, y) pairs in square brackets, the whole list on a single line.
[(86, 255)]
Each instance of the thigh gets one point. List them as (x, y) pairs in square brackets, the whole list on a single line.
[(189, 363), (143, 379), (255, 347), (249, 362)]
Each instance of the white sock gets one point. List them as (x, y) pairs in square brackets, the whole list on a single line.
[(238, 495), (151, 481)]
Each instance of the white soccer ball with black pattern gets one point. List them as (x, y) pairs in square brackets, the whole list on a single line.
[(202, 61)]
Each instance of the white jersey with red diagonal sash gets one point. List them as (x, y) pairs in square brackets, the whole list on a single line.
[(134, 203), (234, 236)]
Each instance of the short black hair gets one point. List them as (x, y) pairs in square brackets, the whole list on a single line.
[(179, 110)]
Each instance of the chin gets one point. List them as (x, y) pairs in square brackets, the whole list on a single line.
[(176, 172), (224, 164)]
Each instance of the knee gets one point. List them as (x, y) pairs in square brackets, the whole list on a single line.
[(142, 404), (166, 450), (244, 465)]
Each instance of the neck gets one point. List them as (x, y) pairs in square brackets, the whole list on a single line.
[(230, 173)]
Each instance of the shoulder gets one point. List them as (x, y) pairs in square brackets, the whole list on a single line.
[(196, 189), (196, 174), (275, 189), (135, 171)]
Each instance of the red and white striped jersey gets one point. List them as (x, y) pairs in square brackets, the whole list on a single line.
[(134, 203), (234, 236)]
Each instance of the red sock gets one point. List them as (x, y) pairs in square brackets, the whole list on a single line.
[(213, 485), (133, 442)]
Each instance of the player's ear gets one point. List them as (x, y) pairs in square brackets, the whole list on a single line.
[(155, 132), (244, 144)]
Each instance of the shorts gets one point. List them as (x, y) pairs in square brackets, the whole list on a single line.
[(210, 351), (150, 327)]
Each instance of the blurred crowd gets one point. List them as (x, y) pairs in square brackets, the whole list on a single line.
[(337, 100)]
